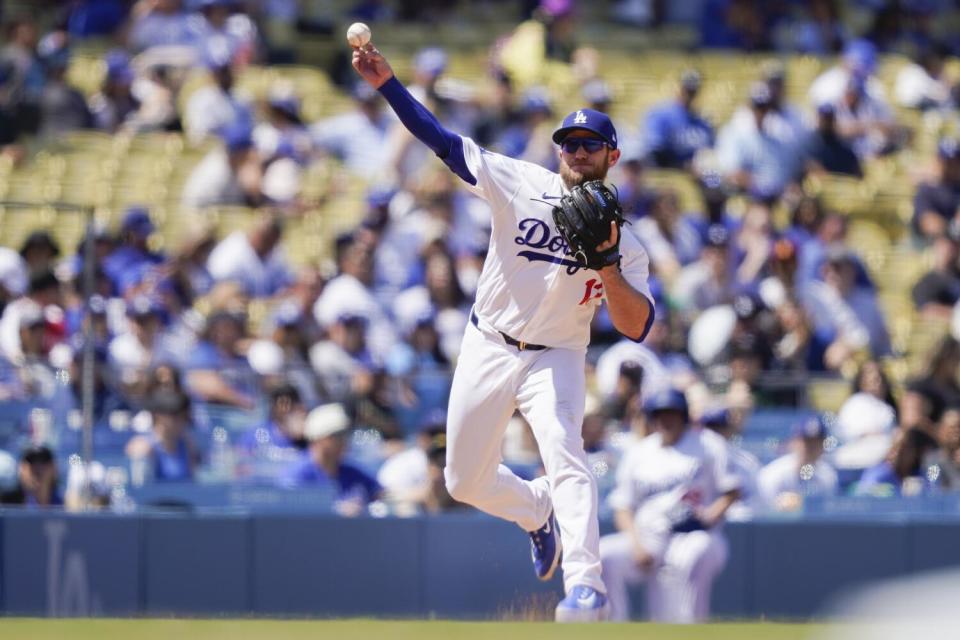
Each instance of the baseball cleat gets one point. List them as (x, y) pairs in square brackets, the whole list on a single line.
[(545, 549), (583, 604)]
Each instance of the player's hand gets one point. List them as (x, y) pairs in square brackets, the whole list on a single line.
[(371, 65)]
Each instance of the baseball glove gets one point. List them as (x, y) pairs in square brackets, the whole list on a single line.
[(583, 219)]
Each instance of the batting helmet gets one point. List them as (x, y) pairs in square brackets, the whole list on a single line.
[(666, 400)]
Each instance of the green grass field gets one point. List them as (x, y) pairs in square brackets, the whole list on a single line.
[(152, 629)]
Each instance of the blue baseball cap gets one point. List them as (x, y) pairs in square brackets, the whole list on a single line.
[(137, 219), (813, 427), (861, 56), (719, 417), (588, 120), (666, 399)]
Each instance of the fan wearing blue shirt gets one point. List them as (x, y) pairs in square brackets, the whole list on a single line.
[(128, 263), (323, 465), (673, 131)]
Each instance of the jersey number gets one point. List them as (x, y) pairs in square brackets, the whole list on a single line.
[(594, 290)]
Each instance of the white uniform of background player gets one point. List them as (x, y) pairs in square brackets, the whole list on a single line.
[(530, 294), (673, 489)]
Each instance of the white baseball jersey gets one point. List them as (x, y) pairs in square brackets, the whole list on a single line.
[(663, 484), (530, 289)]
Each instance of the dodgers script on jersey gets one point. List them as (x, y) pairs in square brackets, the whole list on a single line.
[(529, 288)]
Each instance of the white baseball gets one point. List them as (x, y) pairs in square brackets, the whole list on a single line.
[(358, 34)]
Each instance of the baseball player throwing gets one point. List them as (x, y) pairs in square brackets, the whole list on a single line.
[(526, 343), (673, 489)]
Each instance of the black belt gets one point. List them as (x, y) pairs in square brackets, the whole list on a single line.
[(519, 344)]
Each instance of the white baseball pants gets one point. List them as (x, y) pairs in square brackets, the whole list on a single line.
[(678, 589), (492, 380)]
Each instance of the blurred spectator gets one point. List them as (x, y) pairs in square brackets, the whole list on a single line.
[(743, 464), (228, 175), (866, 122), (349, 293), (217, 372), (135, 351), (904, 471), (846, 315), (497, 111), (114, 102), (441, 296), (826, 151), (819, 32), (674, 131), (326, 431), (167, 453), (753, 243), (405, 476), (760, 151), (223, 27), (39, 251), (286, 328), (529, 137), (948, 435), (859, 63), (421, 369), (866, 420), (636, 198), (26, 72), (43, 291), (936, 203), (157, 23), (128, 264), (597, 95), (107, 396), (37, 480), (62, 107), (156, 91), (923, 84), (189, 259), (785, 482), (13, 277), (358, 137), (267, 449), (254, 258), (28, 371), (936, 294), (529, 53), (342, 362), (670, 237), (939, 377), (216, 106), (283, 133), (708, 281), (89, 487)]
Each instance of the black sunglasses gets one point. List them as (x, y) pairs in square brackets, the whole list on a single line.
[(592, 145)]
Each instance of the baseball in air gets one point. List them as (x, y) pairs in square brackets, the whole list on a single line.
[(358, 34)]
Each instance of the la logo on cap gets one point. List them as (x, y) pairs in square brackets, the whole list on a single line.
[(580, 118)]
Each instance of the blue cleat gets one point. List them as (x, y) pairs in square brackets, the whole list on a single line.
[(583, 604), (545, 549)]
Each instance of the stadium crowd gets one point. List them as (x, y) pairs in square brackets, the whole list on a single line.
[(341, 381)]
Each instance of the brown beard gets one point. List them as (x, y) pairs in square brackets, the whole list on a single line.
[(572, 178)]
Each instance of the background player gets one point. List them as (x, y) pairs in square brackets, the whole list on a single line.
[(673, 490), (526, 344)]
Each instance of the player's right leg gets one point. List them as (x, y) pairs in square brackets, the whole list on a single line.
[(482, 399), (620, 571)]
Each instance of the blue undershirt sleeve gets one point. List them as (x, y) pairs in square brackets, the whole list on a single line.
[(427, 129)]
